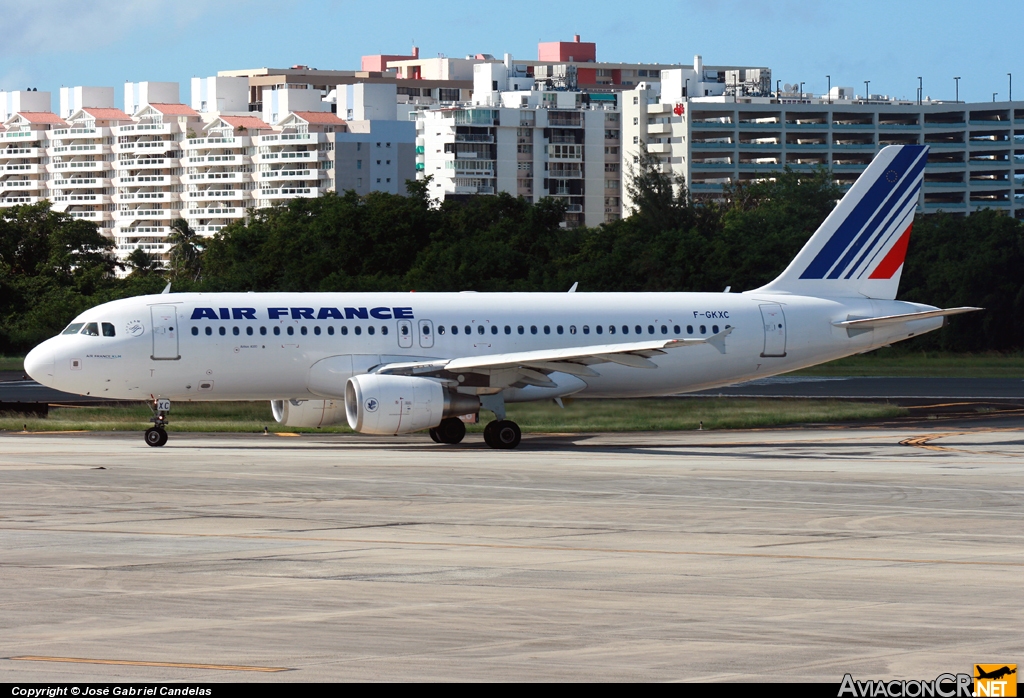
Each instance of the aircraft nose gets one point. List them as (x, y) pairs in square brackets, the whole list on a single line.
[(39, 364)]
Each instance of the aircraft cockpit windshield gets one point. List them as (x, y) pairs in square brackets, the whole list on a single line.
[(91, 328)]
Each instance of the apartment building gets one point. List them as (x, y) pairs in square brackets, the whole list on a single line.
[(80, 164), (976, 157), (148, 187), (218, 172), (23, 158), (297, 160)]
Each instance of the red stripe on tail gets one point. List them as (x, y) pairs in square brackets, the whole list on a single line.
[(891, 263)]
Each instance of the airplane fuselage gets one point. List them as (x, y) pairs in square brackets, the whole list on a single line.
[(262, 346)]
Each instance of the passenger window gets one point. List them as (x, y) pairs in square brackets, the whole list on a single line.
[(234, 331), (302, 330), (73, 328), (248, 331), (330, 330), (358, 330), (508, 330), (547, 329), (384, 329), (370, 330), (675, 330), (479, 329), (195, 331), (494, 329), (520, 329), (586, 329), (108, 329), (611, 329), (714, 329), (650, 329), (277, 330), (425, 329), (600, 330), (455, 329), (91, 329), (469, 330), (344, 330), (316, 330), (559, 330), (664, 330), (209, 331), (572, 329), (689, 329), (625, 329), (223, 331), (440, 329), (703, 329), (533, 329), (263, 330), (290, 330), (639, 330)]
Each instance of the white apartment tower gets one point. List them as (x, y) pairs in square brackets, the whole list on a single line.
[(298, 160), (81, 167), (148, 183), (218, 174), (23, 157)]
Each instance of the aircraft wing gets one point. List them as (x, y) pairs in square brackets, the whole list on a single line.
[(532, 367), (872, 322)]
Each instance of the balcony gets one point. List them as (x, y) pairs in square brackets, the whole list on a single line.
[(216, 177), (22, 153), (214, 212), (20, 200), (145, 163), (144, 148), (31, 168), (19, 185), (22, 136), (659, 148), (139, 129), (217, 142), (289, 138), (81, 199), (288, 193), (79, 166), (79, 183), (473, 138), (133, 214), (145, 180), (216, 194), (286, 156), (145, 197), (78, 149), (288, 174), (659, 128), (565, 174)]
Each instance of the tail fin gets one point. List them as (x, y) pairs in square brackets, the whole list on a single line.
[(859, 250)]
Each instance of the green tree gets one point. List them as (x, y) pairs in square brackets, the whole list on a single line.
[(186, 251)]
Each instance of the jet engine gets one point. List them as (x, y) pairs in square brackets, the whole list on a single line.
[(384, 404), (308, 413)]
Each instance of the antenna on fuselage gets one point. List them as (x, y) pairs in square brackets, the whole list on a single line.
[(573, 289), (167, 288)]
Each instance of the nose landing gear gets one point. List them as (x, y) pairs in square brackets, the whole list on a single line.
[(156, 435)]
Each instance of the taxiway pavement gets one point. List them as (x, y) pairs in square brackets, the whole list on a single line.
[(779, 555)]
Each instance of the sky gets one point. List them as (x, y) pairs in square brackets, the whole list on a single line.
[(49, 43)]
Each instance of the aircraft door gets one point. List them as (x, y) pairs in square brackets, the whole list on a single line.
[(165, 333), (426, 334), (404, 334), (774, 330)]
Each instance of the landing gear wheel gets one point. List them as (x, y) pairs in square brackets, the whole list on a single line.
[(503, 434), (433, 435), (156, 437), (450, 431)]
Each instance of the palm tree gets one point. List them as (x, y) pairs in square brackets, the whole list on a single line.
[(187, 251)]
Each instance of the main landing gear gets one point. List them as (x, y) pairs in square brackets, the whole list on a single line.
[(502, 433), (449, 431), (156, 435)]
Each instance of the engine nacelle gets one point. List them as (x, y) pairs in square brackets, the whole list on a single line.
[(308, 413), (385, 404)]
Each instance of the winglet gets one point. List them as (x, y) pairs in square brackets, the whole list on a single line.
[(167, 288), (718, 340), (573, 289)]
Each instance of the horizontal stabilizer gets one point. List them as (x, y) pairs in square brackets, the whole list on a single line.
[(872, 322)]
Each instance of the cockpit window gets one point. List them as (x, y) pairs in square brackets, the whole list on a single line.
[(73, 328), (108, 330), (91, 329)]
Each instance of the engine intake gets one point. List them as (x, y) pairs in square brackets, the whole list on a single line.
[(384, 404)]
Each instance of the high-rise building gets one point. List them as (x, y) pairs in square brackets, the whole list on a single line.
[(23, 156)]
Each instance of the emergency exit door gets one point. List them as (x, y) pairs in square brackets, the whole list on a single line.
[(774, 330), (165, 333)]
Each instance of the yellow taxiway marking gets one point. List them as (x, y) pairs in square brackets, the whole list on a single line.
[(124, 662), (285, 433)]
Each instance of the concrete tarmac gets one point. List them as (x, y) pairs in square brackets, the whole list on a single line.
[(777, 555)]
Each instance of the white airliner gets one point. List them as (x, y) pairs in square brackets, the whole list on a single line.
[(394, 363)]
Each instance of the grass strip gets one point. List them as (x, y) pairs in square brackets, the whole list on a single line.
[(665, 414)]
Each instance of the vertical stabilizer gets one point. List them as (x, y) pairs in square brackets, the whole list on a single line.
[(859, 250)]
